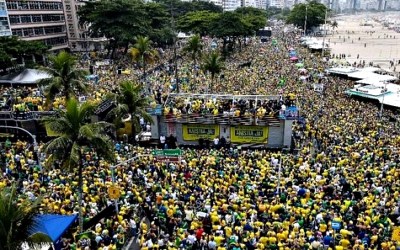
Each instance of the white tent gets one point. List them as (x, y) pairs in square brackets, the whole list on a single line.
[(371, 75), (377, 79), (27, 76)]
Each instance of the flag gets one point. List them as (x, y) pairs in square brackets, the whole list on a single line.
[(282, 83)]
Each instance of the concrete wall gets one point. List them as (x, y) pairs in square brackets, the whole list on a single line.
[(275, 136), (287, 133)]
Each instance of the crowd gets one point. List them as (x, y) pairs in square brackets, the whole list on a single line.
[(345, 172)]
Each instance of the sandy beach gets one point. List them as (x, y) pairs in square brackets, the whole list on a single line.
[(374, 43)]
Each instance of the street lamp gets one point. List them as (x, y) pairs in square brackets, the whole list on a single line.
[(323, 41), (305, 22), (112, 168)]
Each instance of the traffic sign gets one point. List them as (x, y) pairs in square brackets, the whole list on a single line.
[(166, 152), (396, 234), (167, 158), (114, 192)]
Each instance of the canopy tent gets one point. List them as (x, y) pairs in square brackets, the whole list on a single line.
[(377, 79), (27, 76), (53, 225), (371, 75)]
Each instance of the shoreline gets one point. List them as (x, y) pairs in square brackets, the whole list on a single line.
[(376, 44)]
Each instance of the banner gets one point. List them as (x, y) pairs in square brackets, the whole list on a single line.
[(193, 132), (249, 134)]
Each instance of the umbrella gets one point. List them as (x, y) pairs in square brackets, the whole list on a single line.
[(291, 48), (294, 58), (299, 65)]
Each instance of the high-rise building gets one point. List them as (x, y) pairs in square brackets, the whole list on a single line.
[(39, 20), (78, 35), (249, 3), (4, 22), (261, 4), (231, 5), (276, 3)]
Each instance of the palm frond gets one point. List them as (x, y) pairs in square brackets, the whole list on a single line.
[(17, 220), (64, 77)]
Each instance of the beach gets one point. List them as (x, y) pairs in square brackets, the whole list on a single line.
[(374, 43)]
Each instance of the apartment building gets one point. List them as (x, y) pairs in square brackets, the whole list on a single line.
[(4, 22), (276, 3), (41, 20), (79, 39)]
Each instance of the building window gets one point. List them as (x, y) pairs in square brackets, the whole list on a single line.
[(36, 18), (12, 5), (17, 32), (34, 5), (54, 30), (56, 41), (39, 31), (26, 19), (14, 19)]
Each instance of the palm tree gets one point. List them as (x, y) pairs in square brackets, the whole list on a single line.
[(75, 132), (143, 53), (194, 47), (130, 102), (65, 79), (17, 221), (213, 64)]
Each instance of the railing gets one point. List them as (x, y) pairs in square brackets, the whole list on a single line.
[(223, 119), (30, 115)]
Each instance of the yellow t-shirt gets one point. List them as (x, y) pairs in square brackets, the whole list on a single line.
[(218, 240)]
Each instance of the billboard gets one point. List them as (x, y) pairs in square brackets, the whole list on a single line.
[(249, 134), (193, 132)]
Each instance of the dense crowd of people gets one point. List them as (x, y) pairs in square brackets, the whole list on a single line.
[(345, 172)]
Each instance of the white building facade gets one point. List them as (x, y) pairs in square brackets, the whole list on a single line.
[(5, 29), (40, 20), (78, 35)]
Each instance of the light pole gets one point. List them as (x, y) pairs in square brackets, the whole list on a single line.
[(112, 168), (278, 187), (305, 22), (383, 99), (323, 40)]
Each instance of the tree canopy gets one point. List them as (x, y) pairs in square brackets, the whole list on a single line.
[(197, 22), (13, 49), (256, 18), (123, 20), (65, 78), (315, 14), (242, 22)]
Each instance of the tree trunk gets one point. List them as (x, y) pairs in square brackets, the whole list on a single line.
[(133, 129), (80, 195), (144, 72), (212, 82), (126, 48)]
